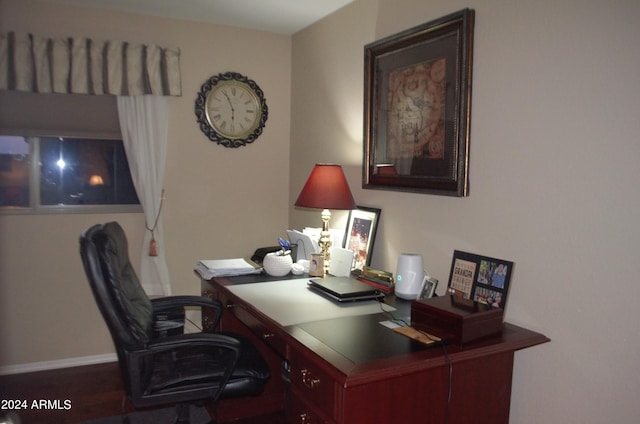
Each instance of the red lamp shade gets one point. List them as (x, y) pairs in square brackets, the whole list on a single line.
[(326, 188)]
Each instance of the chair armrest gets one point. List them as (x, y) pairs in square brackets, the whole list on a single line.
[(140, 361), (170, 302), (163, 304), (194, 339)]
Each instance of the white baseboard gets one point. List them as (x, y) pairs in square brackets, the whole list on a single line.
[(61, 363)]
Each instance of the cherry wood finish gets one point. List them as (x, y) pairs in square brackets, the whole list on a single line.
[(451, 384)]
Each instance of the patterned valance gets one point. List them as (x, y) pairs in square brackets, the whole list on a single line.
[(80, 65)]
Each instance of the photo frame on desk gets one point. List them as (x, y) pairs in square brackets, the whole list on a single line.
[(480, 278), (361, 233), (428, 288), (417, 108)]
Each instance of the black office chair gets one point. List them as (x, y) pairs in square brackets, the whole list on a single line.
[(160, 368)]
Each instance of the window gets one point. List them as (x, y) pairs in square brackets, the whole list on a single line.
[(68, 174)]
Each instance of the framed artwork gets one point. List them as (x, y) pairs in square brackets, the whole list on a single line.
[(480, 278), (361, 233), (417, 107)]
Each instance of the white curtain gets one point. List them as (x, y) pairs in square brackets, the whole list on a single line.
[(141, 75), (143, 120)]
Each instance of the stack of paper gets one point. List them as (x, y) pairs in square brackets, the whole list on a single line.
[(226, 267)]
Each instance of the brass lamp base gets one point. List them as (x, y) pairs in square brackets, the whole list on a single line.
[(325, 240)]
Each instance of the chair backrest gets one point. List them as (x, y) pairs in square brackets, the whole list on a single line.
[(121, 299)]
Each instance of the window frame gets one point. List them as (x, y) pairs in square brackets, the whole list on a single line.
[(35, 207)]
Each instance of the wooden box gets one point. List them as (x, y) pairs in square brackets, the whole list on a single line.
[(456, 320)]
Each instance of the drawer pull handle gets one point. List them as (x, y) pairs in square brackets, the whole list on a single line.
[(229, 305), (309, 381), (268, 336), (304, 419)]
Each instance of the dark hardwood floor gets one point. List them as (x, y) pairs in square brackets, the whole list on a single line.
[(74, 395)]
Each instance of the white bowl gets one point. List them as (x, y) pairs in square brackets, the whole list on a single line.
[(277, 265)]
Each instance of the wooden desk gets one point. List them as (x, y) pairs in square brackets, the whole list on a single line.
[(354, 370)]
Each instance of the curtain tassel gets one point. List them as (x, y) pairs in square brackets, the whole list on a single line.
[(153, 248), (153, 251)]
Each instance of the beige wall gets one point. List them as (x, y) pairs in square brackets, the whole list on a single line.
[(219, 202), (554, 175)]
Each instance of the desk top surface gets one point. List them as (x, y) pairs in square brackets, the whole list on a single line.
[(362, 338), (355, 338), (291, 302)]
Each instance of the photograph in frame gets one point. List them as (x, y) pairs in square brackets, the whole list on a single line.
[(417, 107), (428, 288), (360, 234), (480, 278)]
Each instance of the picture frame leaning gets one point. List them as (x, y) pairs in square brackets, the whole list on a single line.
[(480, 278), (427, 288), (417, 108), (360, 234)]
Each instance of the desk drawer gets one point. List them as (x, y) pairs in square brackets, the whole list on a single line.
[(266, 334), (302, 412), (313, 383)]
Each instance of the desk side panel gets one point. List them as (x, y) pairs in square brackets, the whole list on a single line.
[(480, 392), (395, 400)]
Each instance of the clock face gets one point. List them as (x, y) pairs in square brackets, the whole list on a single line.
[(231, 109)]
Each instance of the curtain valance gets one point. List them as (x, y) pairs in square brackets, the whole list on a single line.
[(79, 65)]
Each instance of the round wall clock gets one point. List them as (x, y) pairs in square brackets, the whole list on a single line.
[(231, 109)]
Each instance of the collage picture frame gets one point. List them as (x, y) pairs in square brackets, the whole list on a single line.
[(480, 278)]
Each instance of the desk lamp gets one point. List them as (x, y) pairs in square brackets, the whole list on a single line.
[(326, 188)]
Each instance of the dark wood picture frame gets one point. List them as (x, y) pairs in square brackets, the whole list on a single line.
[(417, 108), (480, 278), (360, 234)]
